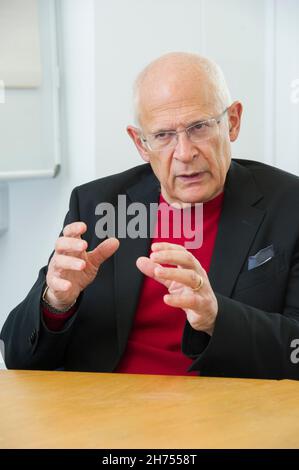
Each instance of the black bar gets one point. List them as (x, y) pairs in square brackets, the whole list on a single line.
[(135, 458)]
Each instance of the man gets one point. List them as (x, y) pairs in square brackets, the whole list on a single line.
[(129, 305)]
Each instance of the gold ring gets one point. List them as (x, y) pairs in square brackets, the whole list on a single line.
[(200, 284)]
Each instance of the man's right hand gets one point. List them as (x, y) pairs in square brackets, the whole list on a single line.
[(72, 268)]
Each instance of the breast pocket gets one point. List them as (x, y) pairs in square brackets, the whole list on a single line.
[(261, 274)]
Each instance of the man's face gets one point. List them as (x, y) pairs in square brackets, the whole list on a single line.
[(192, 171)]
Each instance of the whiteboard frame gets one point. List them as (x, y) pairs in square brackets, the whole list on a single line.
[(55, 72)]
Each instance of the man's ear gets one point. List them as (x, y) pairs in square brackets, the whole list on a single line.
[(134, 133), (234, 118)]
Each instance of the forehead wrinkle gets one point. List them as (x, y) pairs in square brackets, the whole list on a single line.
[(173, 115), (177, 99)]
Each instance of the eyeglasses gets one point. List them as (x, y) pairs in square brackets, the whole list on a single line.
[(197, 132)]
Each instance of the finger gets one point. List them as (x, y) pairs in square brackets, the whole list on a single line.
[(190, 301), (103, 251), (65, 262), (166, 246), (147, 267), (175, 257), (70, 245), (75, 230), (188, 277), (57, 284)]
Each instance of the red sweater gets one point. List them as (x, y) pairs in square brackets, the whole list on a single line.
[(154, 345)]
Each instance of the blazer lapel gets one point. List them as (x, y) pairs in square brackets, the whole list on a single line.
[(128, 278), (239, 222)]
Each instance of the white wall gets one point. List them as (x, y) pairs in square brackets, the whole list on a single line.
[(285, 137)]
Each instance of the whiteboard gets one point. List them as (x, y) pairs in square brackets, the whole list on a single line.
[(29, 106), (20, 64)]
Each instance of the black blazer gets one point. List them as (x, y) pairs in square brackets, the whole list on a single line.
[(258, 309)]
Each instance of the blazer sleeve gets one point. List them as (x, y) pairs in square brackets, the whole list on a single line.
[(247, 341), (28, 343)]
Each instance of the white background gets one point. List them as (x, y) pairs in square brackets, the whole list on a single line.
[(102, 47)]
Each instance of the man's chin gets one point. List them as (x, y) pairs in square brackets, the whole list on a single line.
[(191, 196)]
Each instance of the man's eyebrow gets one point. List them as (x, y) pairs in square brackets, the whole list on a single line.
[(198, 121), (192, 123), (158, 131)]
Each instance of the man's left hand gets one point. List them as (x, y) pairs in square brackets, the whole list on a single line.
[(187, 283)]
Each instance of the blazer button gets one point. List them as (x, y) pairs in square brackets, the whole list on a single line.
[(32, 337)]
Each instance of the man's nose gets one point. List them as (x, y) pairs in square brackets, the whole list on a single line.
[(185, 150)]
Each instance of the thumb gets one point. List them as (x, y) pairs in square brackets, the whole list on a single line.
[(103, 251)]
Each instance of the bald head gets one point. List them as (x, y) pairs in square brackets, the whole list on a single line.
[(185, 125), (180, 71)]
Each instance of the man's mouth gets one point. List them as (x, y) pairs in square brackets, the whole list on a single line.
[(191, 177)]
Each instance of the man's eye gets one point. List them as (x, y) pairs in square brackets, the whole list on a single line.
[(199, 126), (162, 136)]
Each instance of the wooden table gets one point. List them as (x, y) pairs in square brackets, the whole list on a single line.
[(92, 410)]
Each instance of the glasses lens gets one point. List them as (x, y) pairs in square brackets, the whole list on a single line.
[(162, 140), (199, 132), (202, 131)]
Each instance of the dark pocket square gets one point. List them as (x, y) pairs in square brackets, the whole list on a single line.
[(261, 257)]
